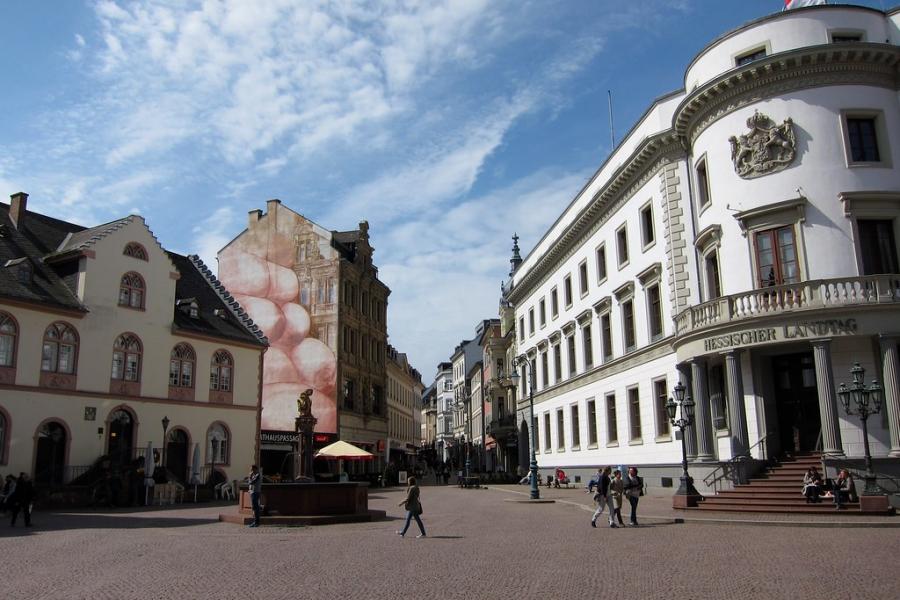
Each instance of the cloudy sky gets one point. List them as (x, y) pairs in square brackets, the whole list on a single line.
[(448, 125)]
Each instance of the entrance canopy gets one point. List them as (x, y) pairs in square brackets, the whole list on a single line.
[(344, 451)]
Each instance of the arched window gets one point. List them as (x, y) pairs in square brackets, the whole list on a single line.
[(135, 250), (126, 362), (60, 349), (220, 371), (8, 333), (217, 439), (181, 366), (131, 291)]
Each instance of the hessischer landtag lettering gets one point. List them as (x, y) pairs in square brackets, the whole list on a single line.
[(806, 329), (820, 328)]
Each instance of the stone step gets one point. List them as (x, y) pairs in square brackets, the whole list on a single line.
[(764, 499), (851, 510)]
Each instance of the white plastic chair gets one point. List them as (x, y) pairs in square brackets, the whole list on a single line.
[(227, 492)]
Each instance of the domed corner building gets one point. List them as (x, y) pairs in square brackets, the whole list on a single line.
[(748, 250)]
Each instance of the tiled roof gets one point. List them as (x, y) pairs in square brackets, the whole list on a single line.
[(24, 275)]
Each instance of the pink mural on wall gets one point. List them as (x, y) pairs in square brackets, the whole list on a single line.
[(283, 271)]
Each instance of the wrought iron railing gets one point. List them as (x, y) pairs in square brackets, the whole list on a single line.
[(734, 470), (807, 295)]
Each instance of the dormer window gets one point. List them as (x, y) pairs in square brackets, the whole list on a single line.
[(25, 272), (135, 250), (189, 307)]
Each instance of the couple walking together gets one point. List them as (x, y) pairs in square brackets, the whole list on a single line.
[(610, 491)]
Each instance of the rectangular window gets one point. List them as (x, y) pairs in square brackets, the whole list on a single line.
[(749, 57), (601, 263), (576, 428), (583, 278), (648, 233), (844, 37), (606, 331), (661, 396), (546, 432), (542, 312), (654, 309), (703, 196), (863, 139), (573, 368), (588, 346), (521, 328), (554, 303), (612, 427), (634, 413), (557, 363), (531, 321), (622, 245), (877, 246), (713, 281), (592, 423), (545, 370), (628, 325), (567, 290), (776, 257), (717, 397), (560, 430)]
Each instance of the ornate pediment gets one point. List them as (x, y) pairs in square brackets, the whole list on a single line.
[(766, 148)]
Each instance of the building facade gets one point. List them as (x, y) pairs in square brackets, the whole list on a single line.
[(443, 391), (742, 240), (317, 295), (404, 404), (109, 343)]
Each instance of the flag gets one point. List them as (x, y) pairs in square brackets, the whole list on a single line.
[(788, 4)]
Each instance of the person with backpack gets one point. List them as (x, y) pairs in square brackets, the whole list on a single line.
[(634, 489)]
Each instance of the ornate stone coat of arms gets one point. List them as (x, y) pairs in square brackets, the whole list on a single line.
[(766, 148)]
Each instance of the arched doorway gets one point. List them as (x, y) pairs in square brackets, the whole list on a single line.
[(177, 446), (120, 436), (50, 455)]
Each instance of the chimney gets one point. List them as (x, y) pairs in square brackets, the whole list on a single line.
[(253, 216), (270, 204), (18, 203)]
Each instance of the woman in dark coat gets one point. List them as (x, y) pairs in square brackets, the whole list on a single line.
[(413, 507), (22, 499)]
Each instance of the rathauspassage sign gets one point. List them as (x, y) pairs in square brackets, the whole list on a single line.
[(799, 330)]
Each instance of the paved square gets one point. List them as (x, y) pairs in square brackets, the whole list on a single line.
[(479, 546)]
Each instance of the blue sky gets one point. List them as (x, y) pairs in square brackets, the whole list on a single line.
[(446, 125)]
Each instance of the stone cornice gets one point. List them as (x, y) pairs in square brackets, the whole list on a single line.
[(812, 66), (640, 167)]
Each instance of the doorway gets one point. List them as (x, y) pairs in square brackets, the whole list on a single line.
[(177, 454), (797, 402), (50, 459), (120, 437)]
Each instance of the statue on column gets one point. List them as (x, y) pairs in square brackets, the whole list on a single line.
[(304, 403)]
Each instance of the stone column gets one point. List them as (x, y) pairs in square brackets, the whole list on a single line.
[(890, 358), (737, 414), (702, 411), (690, 439), (828, 411)]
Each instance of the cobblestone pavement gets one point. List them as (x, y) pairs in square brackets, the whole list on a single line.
[(479, 546)]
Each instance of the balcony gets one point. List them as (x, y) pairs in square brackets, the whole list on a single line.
[(792, 298), (501, 426)]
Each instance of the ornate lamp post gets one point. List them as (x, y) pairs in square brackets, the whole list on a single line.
[(864, 401), (687, 495), (535, 492), (165, 426)]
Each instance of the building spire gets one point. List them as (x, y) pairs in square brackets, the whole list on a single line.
[(516, 259)]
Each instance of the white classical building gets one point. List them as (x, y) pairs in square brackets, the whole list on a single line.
[(443, 389), (742, 239)]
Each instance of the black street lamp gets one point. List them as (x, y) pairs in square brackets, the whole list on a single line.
[(687, 494), (866, 401), (514, 376), (165, 426)]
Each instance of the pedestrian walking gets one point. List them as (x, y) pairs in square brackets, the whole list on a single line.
[(413, 507), (634, 489), (617, 490), (22, 500), (254, 483), (602, 498), (6, 496)]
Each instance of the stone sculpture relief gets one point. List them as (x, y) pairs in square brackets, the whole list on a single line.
[(766, 148)]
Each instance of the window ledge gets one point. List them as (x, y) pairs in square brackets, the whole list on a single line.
[(576, 448), (592, 447), (663, 438), (612, 444), (648, 245), (636, 442), (721, 433)]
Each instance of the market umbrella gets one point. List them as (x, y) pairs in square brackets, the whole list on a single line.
[(195, 469), (149, 465), (344, 451)]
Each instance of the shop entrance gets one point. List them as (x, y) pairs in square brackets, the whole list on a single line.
[(797, 401)]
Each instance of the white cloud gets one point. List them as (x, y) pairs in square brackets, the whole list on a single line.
[(212, 234)]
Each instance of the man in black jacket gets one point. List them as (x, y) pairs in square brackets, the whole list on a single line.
[(22, 499), (602, 497)]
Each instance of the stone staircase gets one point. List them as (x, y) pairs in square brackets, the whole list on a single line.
[(777, 490)]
